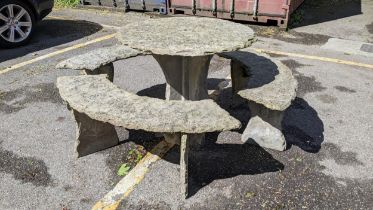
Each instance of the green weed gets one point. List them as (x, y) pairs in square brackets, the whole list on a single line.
[(65, 3), (123, 169), (296, 18)]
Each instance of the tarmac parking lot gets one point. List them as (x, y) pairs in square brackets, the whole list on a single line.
[(329, 128)]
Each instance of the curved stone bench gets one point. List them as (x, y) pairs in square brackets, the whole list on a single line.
[(98, 105), (269, 87), (95, 99), (99, 61)]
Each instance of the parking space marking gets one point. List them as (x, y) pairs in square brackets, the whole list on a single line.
[(125, 186), (311, 57), (58, 52)]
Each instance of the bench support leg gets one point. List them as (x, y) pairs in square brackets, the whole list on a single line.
[(240, 78), (264, 128), (173, 138), (93, 135), (184, 151), (186, 80), (108, 69)]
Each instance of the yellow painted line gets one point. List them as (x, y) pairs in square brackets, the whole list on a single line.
[(58, 52), (325, 59), (125, 186), (58, 18)]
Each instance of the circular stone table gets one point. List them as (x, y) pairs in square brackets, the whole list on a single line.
[(183, 47)]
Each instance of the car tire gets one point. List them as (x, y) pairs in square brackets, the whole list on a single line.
[(17, 22)]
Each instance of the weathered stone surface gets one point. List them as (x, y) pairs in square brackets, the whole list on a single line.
[(99, 57), (264, 134), (270, 83), (101, 100), (186, 36)]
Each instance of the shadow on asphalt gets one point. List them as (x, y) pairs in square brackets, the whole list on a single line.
[(319, 11), (303, 127), (50, 33), (261, 70), (222, 161), (156, 91)]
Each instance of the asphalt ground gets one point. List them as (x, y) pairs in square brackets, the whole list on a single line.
[(328, 165)]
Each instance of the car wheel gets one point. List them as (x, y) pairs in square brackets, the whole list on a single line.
[(16, 23)]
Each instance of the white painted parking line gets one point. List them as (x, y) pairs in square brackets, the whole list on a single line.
[(347, 46), (125, 186), (324, 59), (311, 57), (58, 52)]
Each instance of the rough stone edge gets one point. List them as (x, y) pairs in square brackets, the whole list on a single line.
[(293, 87), (236, 124), (294, 82), (247, 44), (66, 63)]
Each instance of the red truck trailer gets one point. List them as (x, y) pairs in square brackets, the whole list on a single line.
[(262, 11), (246, 10)]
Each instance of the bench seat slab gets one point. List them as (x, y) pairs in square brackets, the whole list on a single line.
[(101, 100), (249, 69), (99, 57), (269, 87)]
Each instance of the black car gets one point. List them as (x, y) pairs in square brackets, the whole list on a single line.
[(18, 19)]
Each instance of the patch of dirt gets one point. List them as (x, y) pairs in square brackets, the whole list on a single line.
[(305, 84), (130, 151), (345, 89), (370, 28), (327, 99), (16, 100), (290, 36), (25, 169)]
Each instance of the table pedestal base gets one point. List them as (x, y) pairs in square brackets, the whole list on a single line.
[(186, 76), (186, 80)]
